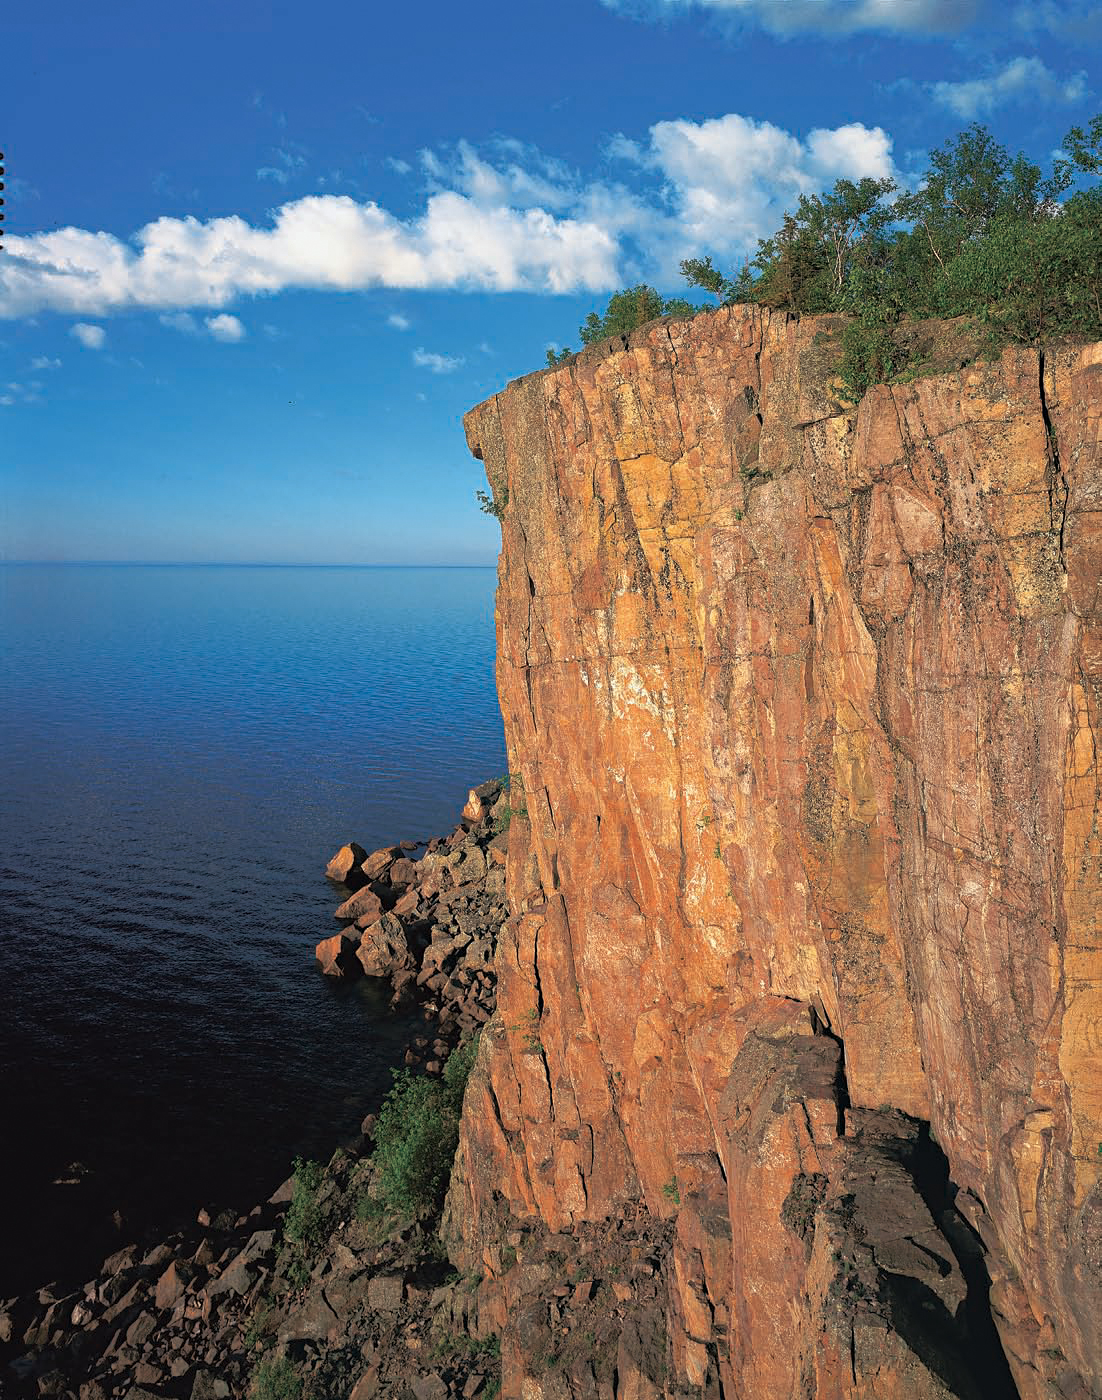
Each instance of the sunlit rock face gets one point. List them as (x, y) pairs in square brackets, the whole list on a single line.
[(805, 702)]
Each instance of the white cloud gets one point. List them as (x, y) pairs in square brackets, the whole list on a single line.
[(727, 181), (324, 242), (399, 322), (227, 328), (91, 337), (45, 362), (784, 17), (439, 364), (180, 321), (1021, 80), (403, 167), (507, 219)]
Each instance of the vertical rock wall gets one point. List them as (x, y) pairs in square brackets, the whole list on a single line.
[(804, 700)]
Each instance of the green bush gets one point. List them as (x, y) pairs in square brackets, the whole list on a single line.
[(304, 1224), (276, 1379), (627, 309), (869, 356), (418, 1132)]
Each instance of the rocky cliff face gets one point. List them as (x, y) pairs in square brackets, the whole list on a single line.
[(805, 954)]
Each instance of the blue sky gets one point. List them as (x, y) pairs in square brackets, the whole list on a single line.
[(259, 259)]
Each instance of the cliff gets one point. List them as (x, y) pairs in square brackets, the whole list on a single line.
[(804, 955)]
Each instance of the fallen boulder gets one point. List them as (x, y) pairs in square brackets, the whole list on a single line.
[(364, 904), (344, 867), (337, 956), (384, 949)]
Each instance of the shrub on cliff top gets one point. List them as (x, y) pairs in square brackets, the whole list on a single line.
[(985, 236), (626, 310)]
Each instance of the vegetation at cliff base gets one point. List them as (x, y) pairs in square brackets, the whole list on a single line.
[(418, 1132), (983, 235), (275, 1379)]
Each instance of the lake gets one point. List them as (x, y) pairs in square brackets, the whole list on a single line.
[(184, 748)]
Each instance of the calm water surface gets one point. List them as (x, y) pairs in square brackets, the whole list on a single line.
[(183, 749)]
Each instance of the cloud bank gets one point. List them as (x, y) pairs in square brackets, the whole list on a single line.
[(511, 219)]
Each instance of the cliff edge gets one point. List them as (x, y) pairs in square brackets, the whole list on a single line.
[(804, 956)]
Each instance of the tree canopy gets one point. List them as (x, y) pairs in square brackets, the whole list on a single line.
[(985, 234), (627, 309)]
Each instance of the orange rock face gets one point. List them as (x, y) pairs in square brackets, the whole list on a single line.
[(805, 700)]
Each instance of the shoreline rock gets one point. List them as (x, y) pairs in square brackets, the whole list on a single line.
[(193, 1316), (429, 926)]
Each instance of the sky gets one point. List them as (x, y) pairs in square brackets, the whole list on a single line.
[(259, 259)]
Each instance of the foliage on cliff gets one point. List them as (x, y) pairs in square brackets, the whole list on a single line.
[(985, 235), (627, 309), (417, 1134)]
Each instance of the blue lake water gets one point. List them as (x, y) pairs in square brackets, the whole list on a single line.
[(183, 749)]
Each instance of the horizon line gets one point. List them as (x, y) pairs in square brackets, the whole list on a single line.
[(213, 564)]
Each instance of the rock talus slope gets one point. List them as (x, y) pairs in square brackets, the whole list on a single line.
[(804, 700)]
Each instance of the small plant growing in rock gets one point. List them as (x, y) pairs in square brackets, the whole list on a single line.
[(489, 506), (513, 785), (672, 1191)]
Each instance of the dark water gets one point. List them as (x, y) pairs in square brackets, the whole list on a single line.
[(183, 749)]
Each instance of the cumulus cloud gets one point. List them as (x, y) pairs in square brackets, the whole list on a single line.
[(399, 322), (182, 321), (227, 328), (91, 337), (728, 180), (1021, 80), (786, 17), (45, 362), (439, 364), (507, 218)]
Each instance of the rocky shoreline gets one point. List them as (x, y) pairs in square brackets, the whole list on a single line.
[(237, 1304)]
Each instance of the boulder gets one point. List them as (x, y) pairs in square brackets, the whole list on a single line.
[(404, 871), (384, 949), (385, 1292), (347, 863), (481, 799), (364, 904), (337, 956), (171, 1284), (378, 863)]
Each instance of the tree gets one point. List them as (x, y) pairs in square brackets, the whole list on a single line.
[(627, 309)]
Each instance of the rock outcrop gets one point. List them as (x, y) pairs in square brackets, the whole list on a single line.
[(804, 957)]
